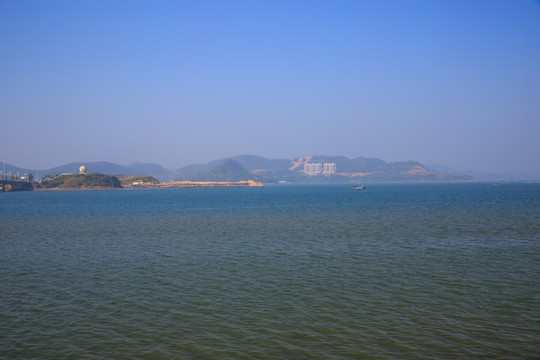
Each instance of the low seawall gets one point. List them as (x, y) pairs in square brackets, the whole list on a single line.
[(9, 185)]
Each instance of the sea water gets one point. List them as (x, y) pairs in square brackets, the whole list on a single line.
[(394, 271)]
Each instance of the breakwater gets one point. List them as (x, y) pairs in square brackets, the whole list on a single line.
[(12, 185)]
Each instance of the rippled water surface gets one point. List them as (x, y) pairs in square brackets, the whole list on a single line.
[(436, 271)]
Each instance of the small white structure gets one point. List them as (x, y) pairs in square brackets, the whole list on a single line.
[(82, 170)]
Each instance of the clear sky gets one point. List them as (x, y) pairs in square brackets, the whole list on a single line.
[(180, 82)]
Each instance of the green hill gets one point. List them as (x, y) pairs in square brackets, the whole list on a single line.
[(227, 170), (82, 181)]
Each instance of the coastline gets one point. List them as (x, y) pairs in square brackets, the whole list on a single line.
[(165, 185)]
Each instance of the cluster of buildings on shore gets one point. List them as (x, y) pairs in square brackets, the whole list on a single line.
[(319, 169)]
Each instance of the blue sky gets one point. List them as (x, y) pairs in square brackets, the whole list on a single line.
[(181, 82)]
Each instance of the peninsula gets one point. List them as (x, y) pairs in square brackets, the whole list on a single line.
[(97, 181)]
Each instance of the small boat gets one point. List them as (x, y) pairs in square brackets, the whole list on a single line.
[(358, 187)]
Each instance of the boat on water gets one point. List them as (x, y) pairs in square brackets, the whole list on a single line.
[(358, 187)]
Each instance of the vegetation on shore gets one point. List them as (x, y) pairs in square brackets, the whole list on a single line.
[(101, 181), (81, 181)]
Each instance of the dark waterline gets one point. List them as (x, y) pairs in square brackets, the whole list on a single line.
[(316, 272)]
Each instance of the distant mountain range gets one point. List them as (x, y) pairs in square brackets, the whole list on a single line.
[(237, 168), (360, 169), (244, 167), (533, 175), (103, 167)]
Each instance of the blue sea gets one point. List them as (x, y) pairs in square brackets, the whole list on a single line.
[(395, 271)]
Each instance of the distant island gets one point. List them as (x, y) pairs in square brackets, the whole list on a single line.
[(305, 169), (313, 169)]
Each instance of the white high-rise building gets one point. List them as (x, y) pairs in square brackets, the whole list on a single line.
[(329, 168), (318, 169), (312, 168)]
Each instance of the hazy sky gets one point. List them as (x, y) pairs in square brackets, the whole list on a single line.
[(180, 82)]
